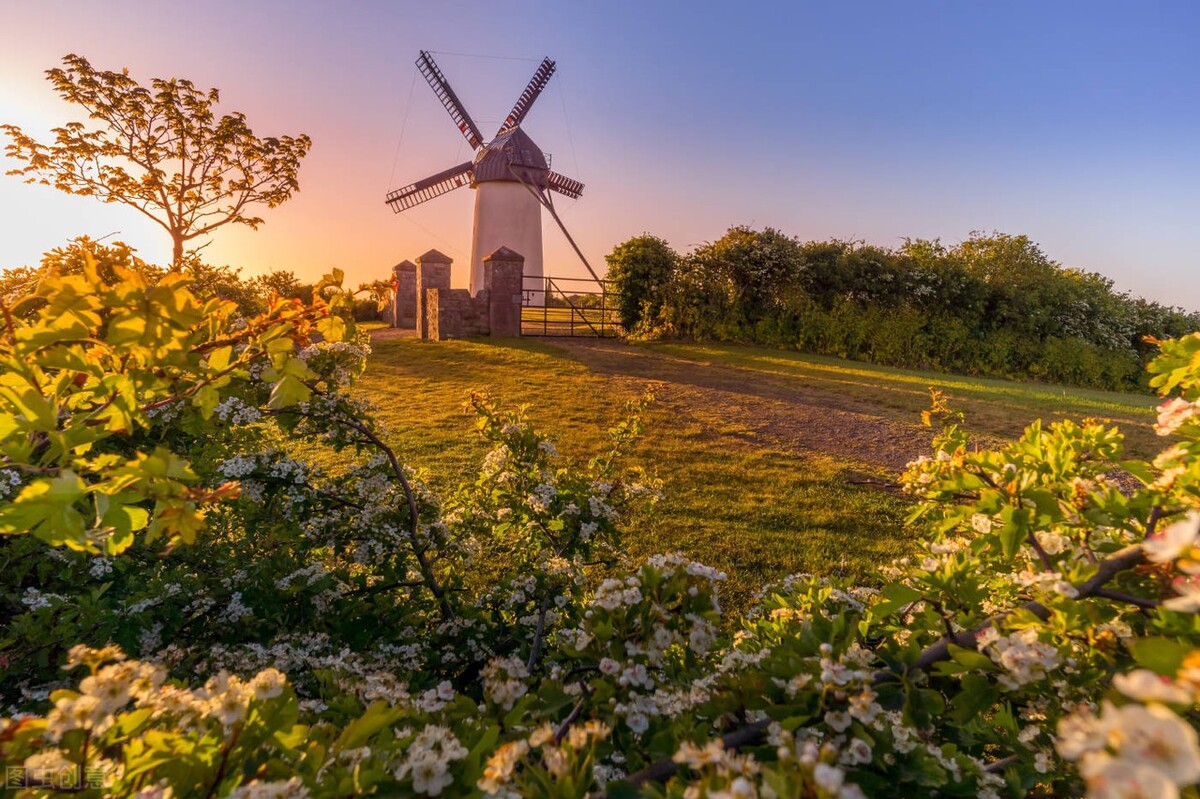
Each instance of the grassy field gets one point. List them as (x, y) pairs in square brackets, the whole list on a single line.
[(999, 408), (566, 321), (733, 500)]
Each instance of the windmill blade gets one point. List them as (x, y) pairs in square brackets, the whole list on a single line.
[(538, 82), (430, 187), (565, 185), (441, 87)]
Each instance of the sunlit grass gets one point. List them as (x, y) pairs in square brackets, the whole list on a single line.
[(750, 510), (995, 407), (734, 501)]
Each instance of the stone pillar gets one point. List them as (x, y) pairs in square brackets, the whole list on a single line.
[(502, 276), (404, 303), (433, 272)]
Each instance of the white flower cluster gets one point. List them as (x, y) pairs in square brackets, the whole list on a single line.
[(235, 411), (280, 789), (10, 482), (556, 756), (1136, 750), (336, 354), (36, 600), (1022, 655), (1042, 580), (427, 761), (613, 593), (100, 566), (541, 497), (738, 769), (1179, 543), (306, 575), (1174, 413), (110, 688), (504, 681), (671, 563)]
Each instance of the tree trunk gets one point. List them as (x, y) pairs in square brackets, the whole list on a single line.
[(177, 254)]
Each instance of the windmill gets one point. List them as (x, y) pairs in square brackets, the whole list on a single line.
[(510, 174)]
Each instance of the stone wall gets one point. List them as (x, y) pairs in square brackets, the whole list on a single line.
[(454, 313), (502, 279), (404, 304), (433, 272), (440, 312)]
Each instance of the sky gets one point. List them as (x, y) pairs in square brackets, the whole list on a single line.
[(1075, 123)]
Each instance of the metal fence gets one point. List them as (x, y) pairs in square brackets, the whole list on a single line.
[(568, 306)]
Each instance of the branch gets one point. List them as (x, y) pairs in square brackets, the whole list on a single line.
[(414, 520), (1109, 568), (1121, 596), (536, 649)]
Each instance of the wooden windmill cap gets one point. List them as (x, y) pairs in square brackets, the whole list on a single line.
[(434, 257), (505, 254), (509, 153)]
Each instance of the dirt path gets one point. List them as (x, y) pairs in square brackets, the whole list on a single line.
[(783, 411)]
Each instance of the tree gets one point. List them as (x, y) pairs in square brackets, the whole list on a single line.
[(753, 265), (19, 283), (161, 150), (640, 269), (284, 283)]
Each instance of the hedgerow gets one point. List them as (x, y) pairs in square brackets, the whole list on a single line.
[(194, 608), (991, 305)]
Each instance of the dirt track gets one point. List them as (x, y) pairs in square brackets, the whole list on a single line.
[(780, 410)]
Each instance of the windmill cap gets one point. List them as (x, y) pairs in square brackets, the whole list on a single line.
[(504, 254), (511, 152), (434, 257)]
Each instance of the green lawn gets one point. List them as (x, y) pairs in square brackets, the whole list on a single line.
[(733, 501), (1000, 408)]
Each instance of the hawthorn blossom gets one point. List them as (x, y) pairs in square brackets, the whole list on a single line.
[(1175, 541), (1188, 596), (1117, 778), (1133, 748), (1173, 414), (1146, 686)]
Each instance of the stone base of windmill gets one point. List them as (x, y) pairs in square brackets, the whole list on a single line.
[(438, 312)]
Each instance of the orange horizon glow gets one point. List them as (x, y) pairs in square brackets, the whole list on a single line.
[(821, 122)]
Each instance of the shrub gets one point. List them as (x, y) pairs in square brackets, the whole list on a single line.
[(297, 633), (639, 269), (994, 304)]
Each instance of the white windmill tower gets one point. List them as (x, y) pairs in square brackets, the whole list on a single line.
[(510, 174)]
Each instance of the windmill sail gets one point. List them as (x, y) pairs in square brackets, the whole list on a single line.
[(538, 82), (441, 87), (565, 185), (430, 187)]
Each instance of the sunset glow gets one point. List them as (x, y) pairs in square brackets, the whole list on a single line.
[(1071, 124)]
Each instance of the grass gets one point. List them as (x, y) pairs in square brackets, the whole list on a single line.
[(999, 408), (733, 500), (553, 320), (750, 510)]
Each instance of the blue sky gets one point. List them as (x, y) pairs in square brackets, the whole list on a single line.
[(1074, 123)]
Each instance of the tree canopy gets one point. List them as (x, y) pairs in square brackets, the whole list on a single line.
[(162, 150)]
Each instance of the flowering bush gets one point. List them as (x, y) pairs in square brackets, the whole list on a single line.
[(193, 607)]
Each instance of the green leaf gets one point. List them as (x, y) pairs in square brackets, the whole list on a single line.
[(1161, 655), (1015, 529), (332, 328), (976, 696), (374, 719), (287, 391), (124, 520)]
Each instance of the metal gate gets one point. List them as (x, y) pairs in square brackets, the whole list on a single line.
[(568, 306)]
